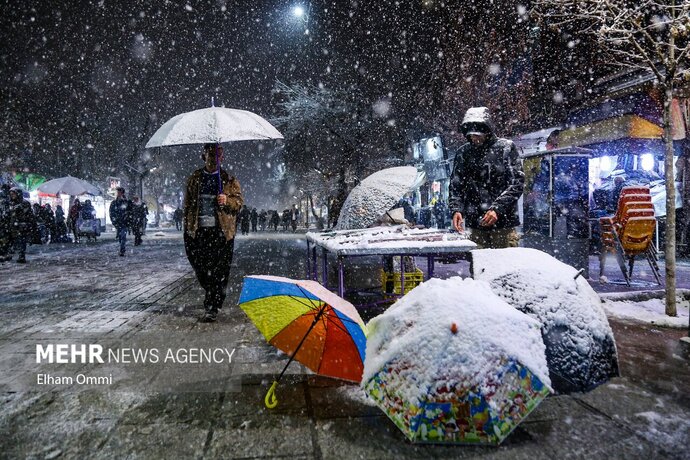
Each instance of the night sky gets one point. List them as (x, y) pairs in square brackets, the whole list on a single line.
[(91, 81)]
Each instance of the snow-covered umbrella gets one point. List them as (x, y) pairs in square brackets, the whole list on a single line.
[(580, 348), (375, 195), (213, 125), (451, 362), (69, 186)]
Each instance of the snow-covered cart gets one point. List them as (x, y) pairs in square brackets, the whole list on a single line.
[(397, 241)]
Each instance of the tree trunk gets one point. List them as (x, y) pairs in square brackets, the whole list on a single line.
[(670, 247), (317, 218), (158, 212)]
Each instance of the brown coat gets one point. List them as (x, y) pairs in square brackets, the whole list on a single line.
[(227, 215)]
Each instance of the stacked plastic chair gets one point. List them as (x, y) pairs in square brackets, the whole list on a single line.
[(630, 232)]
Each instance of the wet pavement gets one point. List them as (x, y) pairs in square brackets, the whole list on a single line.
[(642, 414)]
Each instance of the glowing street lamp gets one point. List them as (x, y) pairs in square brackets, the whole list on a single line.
[(302, 14)]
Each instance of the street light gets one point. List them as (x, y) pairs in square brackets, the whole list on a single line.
[(303, 15)]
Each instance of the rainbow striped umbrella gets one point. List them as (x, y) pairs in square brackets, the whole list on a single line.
[(309, 323)]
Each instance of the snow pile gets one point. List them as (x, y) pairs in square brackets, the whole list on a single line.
[(451, 332), (375, 195), (651, 311), (580, 348)]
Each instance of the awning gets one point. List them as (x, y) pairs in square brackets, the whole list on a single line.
[(624, 127)]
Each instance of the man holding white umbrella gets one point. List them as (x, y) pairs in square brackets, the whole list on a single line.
[(212, 202), (213, 198)]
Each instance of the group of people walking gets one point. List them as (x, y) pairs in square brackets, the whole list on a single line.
[(250, 218), (22, 224), (128, 215)]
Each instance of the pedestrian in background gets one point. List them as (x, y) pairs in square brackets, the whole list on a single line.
[(212, 202), (5, 237), (177, 218), (22, 223), (120, 214), (262, 220), (73, 217), (486, 183), (254, 217), (244, 217), (139, 212), (60, 227)]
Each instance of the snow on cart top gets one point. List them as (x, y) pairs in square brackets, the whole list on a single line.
[(454, 327), (398, 239)]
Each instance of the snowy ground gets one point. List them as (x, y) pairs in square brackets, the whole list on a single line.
[(641, 415), (651, 310)]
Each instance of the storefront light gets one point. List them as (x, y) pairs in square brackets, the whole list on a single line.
[(605, 164), (647, 161)]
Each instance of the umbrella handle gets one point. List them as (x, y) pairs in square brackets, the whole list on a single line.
[(270, 400)]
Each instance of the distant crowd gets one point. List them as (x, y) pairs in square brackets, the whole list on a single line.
[(250, 219), (22, 223), (253, 220)]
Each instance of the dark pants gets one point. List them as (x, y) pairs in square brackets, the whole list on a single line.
[(210, 255), (121, 237), (138, 230), (19, 244)]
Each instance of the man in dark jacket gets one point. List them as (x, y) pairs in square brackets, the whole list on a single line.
[(486, 183), (120, 215), (211, 204), (22, 222)]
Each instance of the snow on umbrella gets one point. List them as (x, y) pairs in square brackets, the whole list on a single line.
[(451, 362), (308, 322), (580, 348), (69, 186), (375, 195), (213, 125)]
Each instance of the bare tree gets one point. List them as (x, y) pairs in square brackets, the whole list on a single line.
[(651, 35), (482, 63), (332, 139)]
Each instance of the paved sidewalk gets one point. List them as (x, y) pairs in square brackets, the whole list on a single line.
[(88, 288)]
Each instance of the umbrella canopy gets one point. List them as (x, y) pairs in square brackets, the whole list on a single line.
[(69, 186), (580, 348), (375, 195), (213, 125), (452, 363), (284, 310)]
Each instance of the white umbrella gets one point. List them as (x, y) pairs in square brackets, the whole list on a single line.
[(213, 125), (69, 186), (375, 195)]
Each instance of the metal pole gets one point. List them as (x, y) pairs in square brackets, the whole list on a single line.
[(341, 278), (308, 264), (325, 268)]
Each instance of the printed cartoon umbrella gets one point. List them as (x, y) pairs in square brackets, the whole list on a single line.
[(308, 322), (452, 363), (69, 186), (580, 347), (375, 195)]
